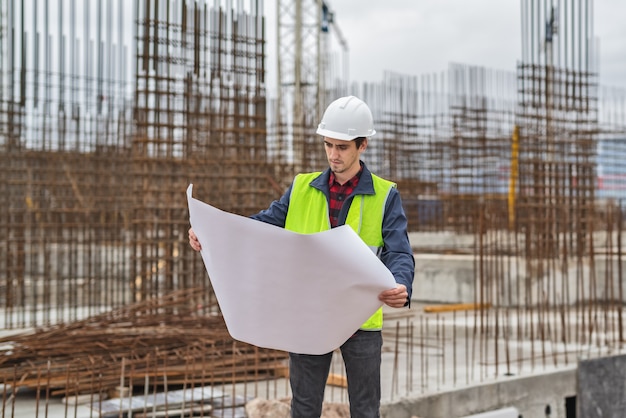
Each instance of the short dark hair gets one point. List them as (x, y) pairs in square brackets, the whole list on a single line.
[(359, 141)]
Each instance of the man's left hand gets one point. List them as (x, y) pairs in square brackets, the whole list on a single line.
[(396, 298)]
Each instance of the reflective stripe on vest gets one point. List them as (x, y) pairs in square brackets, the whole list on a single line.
[(308, 214)]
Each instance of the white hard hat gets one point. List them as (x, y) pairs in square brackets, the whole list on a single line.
[(347, 118)]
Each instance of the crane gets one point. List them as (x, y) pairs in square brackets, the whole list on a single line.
[(303, 28)]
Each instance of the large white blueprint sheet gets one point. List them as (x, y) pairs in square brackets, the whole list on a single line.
[(288, 291)]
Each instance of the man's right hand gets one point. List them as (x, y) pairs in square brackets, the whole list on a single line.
[(193, 240)]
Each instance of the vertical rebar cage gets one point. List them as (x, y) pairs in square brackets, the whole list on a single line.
[(108, 111)]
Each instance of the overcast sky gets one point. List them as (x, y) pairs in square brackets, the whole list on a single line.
[(418, 37)]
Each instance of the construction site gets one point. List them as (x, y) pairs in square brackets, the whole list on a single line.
[(513, 183)]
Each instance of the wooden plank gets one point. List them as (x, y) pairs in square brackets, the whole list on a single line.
[(333, 378), (456, 307), (337, 380)]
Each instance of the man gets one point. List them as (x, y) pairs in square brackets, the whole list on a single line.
[(346, 193)]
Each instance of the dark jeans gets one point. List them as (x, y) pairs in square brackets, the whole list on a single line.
[(308, 374)]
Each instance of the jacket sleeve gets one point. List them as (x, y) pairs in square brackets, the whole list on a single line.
[(397, 253), (276, 213)]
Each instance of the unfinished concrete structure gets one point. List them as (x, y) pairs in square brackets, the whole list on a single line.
[(109, 110)]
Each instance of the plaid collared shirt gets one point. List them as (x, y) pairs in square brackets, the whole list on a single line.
[(338, 194)]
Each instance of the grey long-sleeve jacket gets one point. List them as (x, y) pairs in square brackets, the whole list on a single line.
[(397, 254)]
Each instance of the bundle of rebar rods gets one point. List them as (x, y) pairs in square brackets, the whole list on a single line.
[(161, 341)]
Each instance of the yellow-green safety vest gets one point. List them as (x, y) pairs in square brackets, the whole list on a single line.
[(308, 213)]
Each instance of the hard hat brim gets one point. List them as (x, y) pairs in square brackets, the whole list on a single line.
[(340, 136)]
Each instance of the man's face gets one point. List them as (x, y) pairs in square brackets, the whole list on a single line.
[(343, 156)]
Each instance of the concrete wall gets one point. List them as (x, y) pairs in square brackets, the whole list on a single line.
[(530, 395), (601, 387), (442, 278)]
